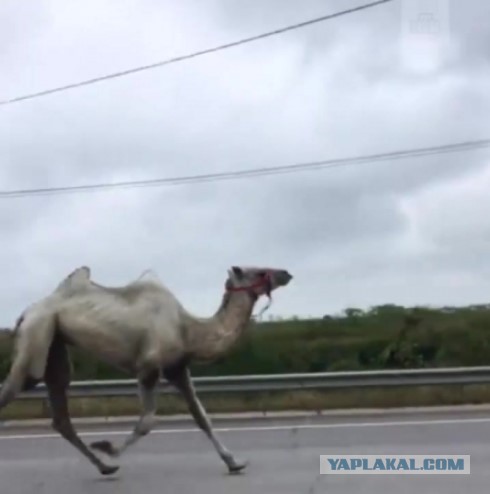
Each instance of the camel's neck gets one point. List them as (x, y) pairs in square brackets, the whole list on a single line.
[(208, 339)]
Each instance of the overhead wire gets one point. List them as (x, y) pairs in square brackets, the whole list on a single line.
[(199, 53), (239, 174), (253, 172)]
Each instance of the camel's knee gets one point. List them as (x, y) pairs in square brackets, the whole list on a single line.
[(145, 425), (57, 425), (60, 424)]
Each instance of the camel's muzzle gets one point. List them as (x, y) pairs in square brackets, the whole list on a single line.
[(283, 277)]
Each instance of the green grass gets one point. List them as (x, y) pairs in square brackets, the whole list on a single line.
[(384, 337), (267, 402)]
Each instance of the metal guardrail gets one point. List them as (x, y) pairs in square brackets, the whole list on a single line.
[(287, 382)]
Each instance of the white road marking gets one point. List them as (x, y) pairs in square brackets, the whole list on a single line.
[(262, 428)]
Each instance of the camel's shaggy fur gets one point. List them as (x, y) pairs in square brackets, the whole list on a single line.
[(140, 328)]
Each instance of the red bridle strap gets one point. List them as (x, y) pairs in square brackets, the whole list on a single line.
[(265, 281), (261, 283)]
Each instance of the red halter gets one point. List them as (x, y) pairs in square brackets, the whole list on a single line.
[(265, 281)]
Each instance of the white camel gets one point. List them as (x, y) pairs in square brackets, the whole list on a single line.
[(140, 328)]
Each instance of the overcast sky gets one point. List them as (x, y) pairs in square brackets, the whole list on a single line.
[(412, 231)]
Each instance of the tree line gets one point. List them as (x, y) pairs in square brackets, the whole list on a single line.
[(383, 337)]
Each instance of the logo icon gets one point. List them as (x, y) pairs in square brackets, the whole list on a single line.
[(425, 39)]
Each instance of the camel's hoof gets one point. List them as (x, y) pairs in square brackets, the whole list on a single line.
[(107, 470), (237, 466), (105, 447)]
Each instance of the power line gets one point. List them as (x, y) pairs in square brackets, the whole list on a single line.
[(191, 55), (254, 172)]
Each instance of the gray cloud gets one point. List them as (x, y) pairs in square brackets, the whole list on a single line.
[(375, 233)]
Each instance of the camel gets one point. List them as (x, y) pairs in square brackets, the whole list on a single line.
[(140, 328)]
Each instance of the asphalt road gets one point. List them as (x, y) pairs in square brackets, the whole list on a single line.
[(283, 454)]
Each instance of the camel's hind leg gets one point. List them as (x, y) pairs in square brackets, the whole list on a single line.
[(180, 377), (57, 379), (147, 385)]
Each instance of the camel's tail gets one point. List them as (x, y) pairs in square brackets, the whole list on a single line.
[(32, 335)]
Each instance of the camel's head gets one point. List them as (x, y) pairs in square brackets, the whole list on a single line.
[(256, 281)]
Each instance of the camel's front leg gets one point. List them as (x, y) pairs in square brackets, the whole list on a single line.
[(147, 386), (182, 381)]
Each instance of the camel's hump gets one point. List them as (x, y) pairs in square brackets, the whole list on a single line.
[(149, 275), (80, 273), (78, 277)]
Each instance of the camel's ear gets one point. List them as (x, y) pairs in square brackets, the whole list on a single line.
[(238, 272)]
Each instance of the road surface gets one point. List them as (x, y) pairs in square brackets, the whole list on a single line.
[(283, 454)]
